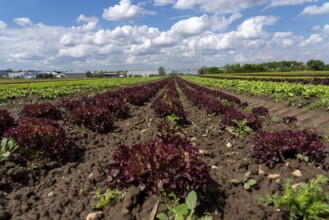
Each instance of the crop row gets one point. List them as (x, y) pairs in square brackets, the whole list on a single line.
[(269, 148), (293, 92), (168, 104), (37, 128), (312, 81), (53, 89)]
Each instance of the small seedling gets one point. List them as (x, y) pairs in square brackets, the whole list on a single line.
[(303, 157), (31, 166), (173, 119), (7, 147), (246, 181), (239, 128), (111, 195), (306, 201), (184, 211)]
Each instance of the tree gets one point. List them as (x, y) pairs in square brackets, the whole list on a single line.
[(315, 65), (89, 74), (162, 71), (202, 70)]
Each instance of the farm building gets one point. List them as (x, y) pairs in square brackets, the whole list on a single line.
[(75, 75)]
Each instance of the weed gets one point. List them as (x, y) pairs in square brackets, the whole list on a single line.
[(7, 147), (306, 201), (184, 211), (246, 181), (240, 128), (111, 195)]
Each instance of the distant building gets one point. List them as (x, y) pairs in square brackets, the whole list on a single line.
[(16, 75), (4, 73), (142, 72), (30, 75), (75, 75), (187, 71)]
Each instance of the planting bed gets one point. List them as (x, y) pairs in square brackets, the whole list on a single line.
[(63, 185)]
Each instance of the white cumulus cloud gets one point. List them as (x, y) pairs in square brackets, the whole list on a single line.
[(163, 2), (220, 23), (67, 40), (191, 26), (312, 40), (218, 6), (325, 30), (316, 10), (3, 25), (275, 3), (123, 11), (253, 27), (24, 22), (91, 22)]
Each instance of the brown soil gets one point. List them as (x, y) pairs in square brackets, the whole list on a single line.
[(54, 190), (316, 120)]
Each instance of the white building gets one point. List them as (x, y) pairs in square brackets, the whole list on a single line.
[(142, 72)]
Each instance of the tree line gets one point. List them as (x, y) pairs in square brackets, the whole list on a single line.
[(281, 66)]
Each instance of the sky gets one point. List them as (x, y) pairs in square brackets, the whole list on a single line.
[(146, 34)]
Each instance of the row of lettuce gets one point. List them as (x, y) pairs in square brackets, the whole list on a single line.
[(54, 89), (307, 96), (269, 148), (169, 162), (301, 80), (38, 128)]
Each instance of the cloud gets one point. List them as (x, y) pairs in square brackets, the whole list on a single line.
[(325, 30), (276, 3), (24, 22), (78, 51), (163, 2), (316, 10), (123, 11), (186, 4), (252, 28), (3, 25), (191, 26), (315, 28), (91, 22), (94, 47), (312, 40), (165, 39), (83, 18), (220, 23), (219, 6), (67, 40), (285, 39)]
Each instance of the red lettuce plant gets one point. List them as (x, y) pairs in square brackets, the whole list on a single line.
[(260, 111), (42, 110), (116, 106), (243, 105), (166, 128), (70, 104), (6, 121), (42, 135), (169, 163), (96, 118), (271, 148)]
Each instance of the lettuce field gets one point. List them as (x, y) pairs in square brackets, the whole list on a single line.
[(164, 148)]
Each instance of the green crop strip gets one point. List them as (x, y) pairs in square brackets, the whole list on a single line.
[(54, 89), (314, 96)]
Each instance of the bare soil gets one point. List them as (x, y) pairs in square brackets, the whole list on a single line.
[(66, 190)]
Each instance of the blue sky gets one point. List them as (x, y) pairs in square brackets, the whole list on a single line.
[(146, 34)]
